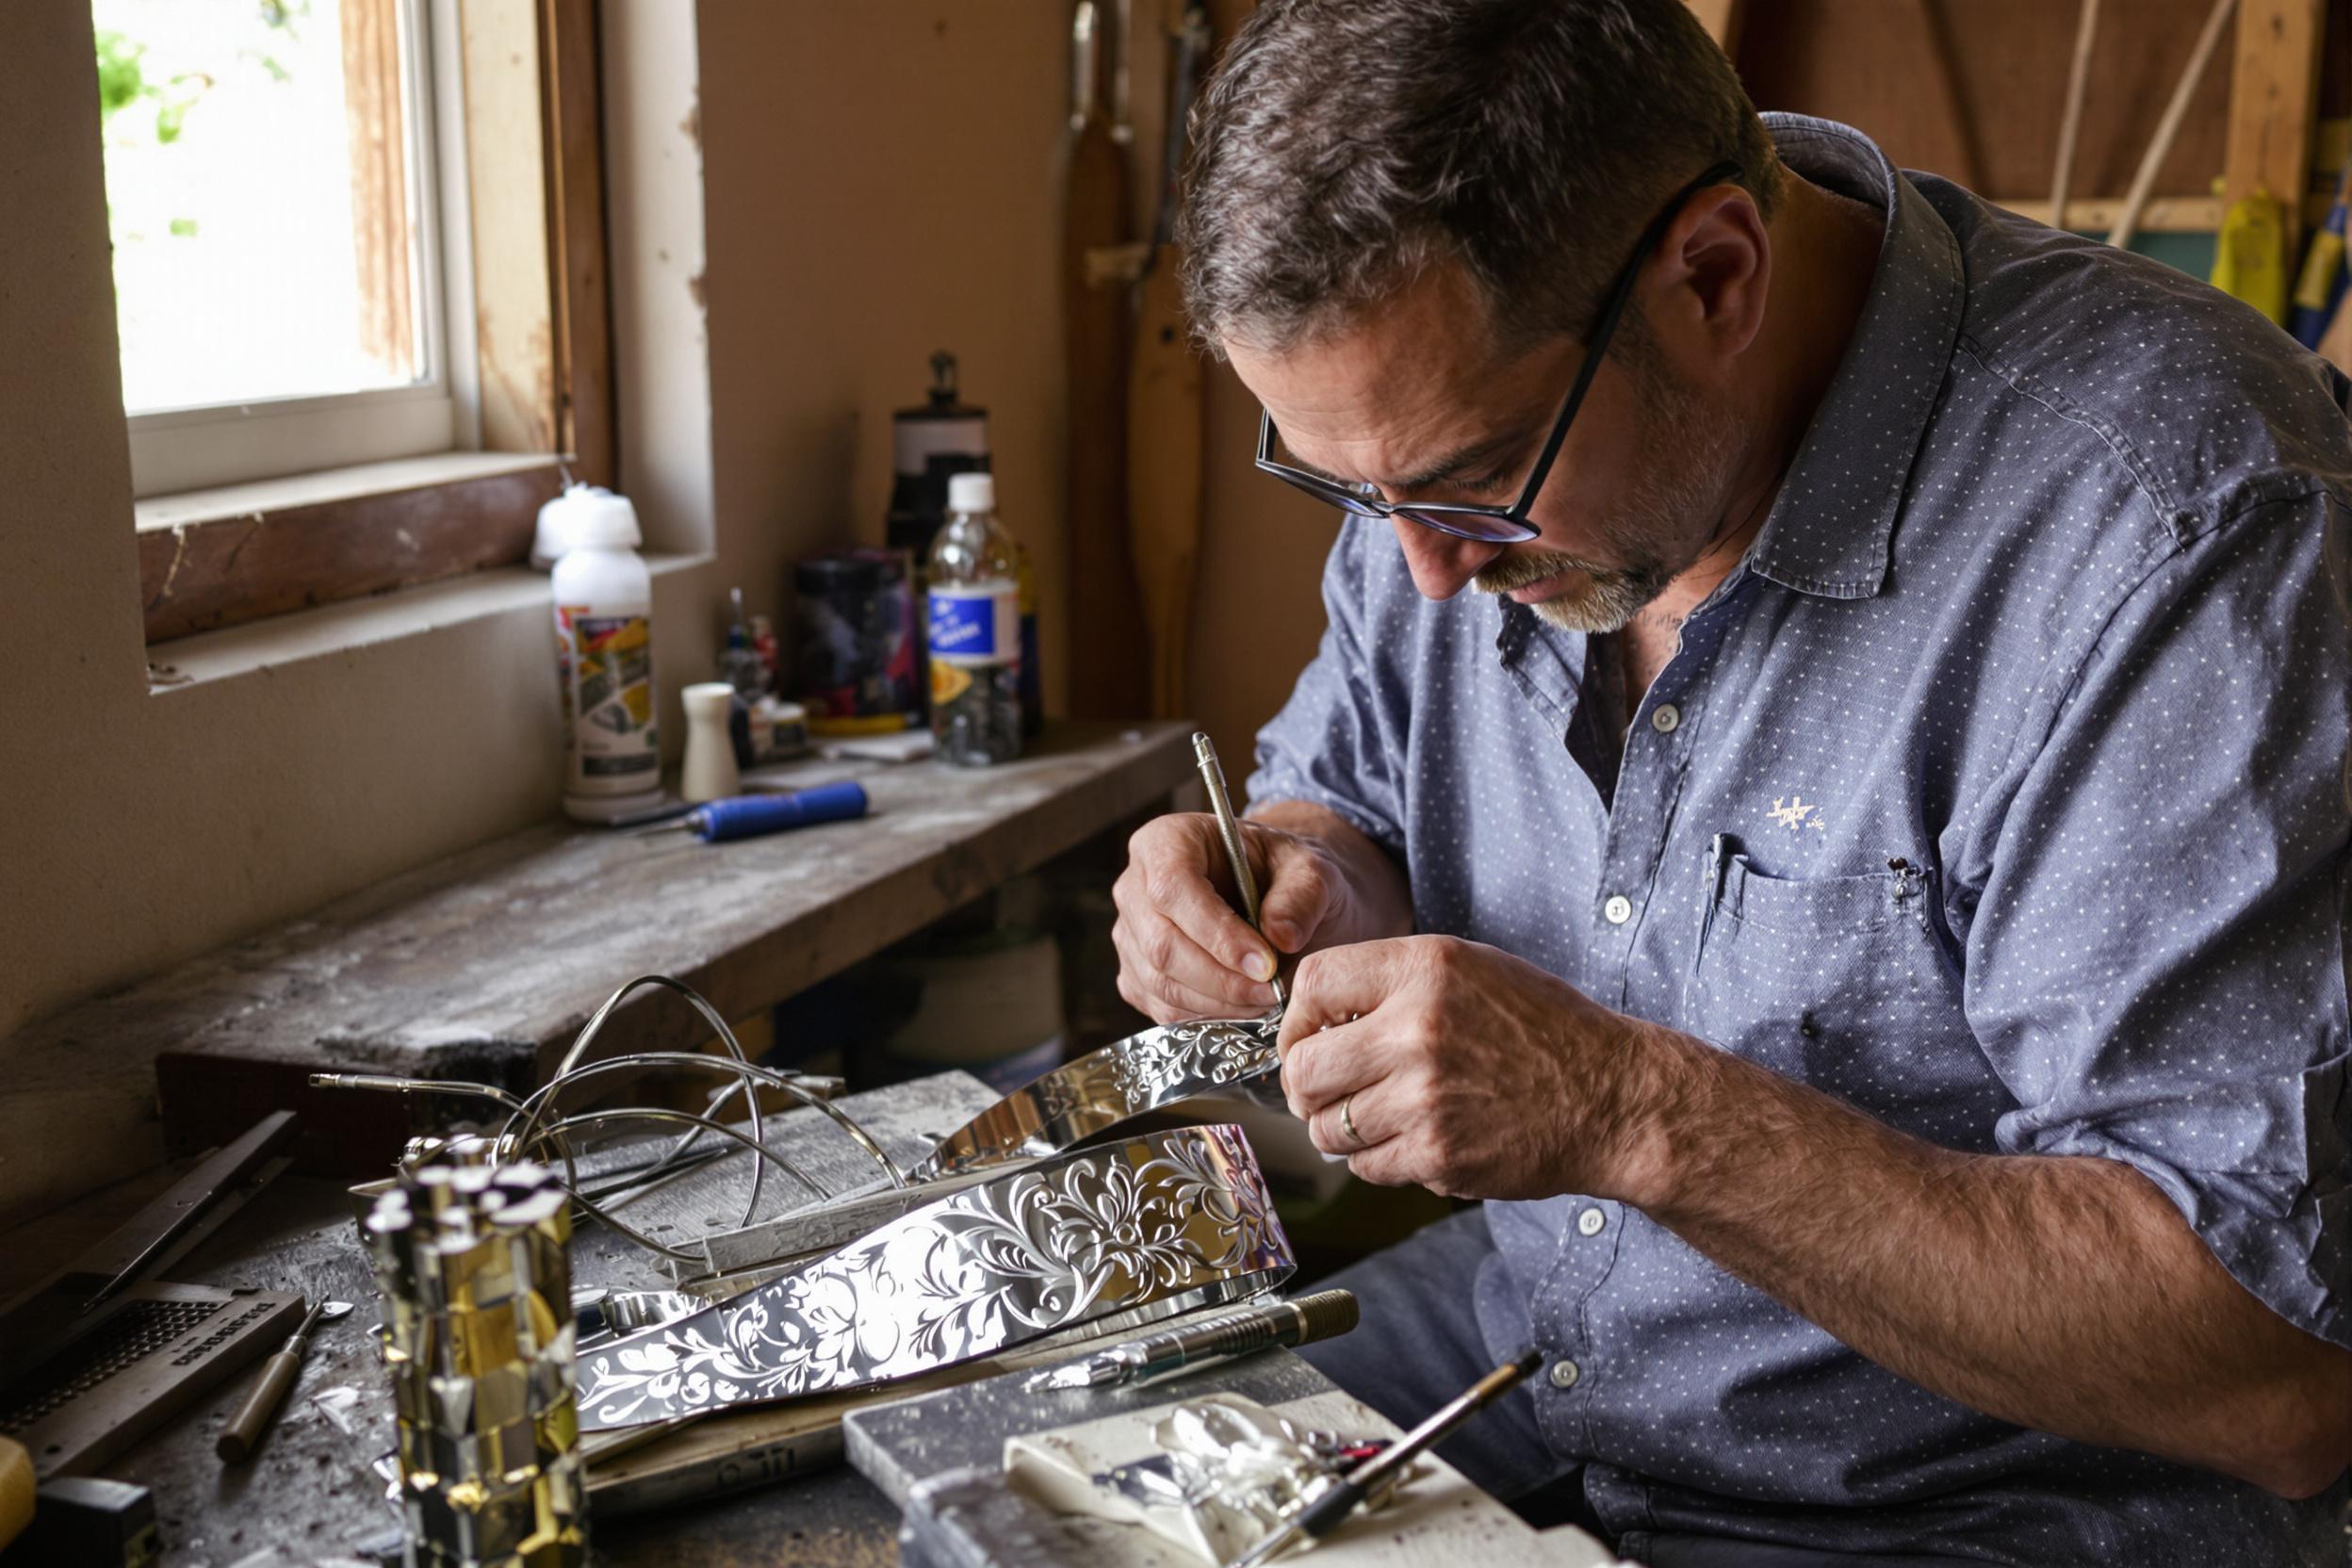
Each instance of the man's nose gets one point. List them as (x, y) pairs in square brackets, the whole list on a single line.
[(1441, 565)]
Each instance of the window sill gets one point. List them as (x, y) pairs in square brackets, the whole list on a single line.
[(261, 498), (334, 629), (215, 559)]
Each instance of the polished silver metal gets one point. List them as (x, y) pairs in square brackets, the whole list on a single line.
[(1240, 1333), (1144, 1229), (1229, 829), (1102, 1089)]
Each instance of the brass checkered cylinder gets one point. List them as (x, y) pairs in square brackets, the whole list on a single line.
[(475, 1268)]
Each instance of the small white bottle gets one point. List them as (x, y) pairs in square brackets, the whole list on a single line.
[(604, 652), (709, 773)]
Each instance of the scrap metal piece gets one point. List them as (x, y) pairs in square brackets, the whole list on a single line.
[(1102, 1089), (1152, 1226)]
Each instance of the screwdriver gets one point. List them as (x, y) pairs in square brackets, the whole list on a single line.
[(748, 816)]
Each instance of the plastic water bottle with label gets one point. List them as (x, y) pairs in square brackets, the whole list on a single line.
[(975, 629)]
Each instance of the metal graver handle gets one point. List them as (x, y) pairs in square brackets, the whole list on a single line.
[(1229, 829)]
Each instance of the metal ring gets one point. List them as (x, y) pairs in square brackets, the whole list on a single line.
[(1347, 1122)]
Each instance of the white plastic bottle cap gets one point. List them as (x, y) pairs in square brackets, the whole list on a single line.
[(586, 516), (971, 492)]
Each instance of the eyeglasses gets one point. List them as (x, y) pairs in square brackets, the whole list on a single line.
[(1497, 524)]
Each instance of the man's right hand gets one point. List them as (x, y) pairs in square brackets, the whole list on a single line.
[(1183, 951)]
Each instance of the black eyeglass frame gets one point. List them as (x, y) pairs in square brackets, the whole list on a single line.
[(1514, 526)]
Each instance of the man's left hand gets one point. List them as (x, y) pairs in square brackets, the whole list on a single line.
[(1470, 1073)]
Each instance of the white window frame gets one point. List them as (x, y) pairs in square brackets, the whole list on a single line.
[(179, 449)]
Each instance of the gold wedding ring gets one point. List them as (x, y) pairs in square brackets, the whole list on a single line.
[(1347, 1121)]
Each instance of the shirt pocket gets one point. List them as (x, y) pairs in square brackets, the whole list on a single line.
[(1839, 982)]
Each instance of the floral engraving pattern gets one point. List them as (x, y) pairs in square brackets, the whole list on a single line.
[(1184, 1059), (1104, 1087), (1155, 1221)]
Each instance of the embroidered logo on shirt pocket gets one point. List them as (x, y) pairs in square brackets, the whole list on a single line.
[(1836, 981)]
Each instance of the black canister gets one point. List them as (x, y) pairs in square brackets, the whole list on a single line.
[(858, 666)]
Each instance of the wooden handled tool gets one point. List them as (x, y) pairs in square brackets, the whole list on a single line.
[(242, 1435), (1164, 406)]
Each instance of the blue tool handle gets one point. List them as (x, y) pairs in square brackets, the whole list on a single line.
[(748, 816)]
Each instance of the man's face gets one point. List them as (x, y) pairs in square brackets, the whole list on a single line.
[(1417, 401)]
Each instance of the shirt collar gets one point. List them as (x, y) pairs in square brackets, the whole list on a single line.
[(1830, 528)]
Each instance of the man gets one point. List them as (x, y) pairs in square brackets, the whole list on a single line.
[(1858, 878)]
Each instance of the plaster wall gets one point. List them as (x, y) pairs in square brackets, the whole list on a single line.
[(138, 828), (805, 200), (904, 195)]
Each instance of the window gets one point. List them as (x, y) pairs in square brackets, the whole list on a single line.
[(359, 269), (272, 203)]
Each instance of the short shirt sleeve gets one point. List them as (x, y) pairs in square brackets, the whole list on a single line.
[(2156, 954), (1334, 741)]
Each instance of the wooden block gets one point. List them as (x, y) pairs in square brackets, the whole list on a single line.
[(2274, 93), (1721, 18), (507, 177)]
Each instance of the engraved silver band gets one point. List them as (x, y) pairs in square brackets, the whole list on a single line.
[(1145, 1228)]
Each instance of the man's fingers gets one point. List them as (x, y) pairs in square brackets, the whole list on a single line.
[(1340, 984), (1168, 962), (1362, 1120), (1297, 896), (1331, 1063), (1192, 902)]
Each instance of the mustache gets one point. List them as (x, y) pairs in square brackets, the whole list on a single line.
[(1526, 571)]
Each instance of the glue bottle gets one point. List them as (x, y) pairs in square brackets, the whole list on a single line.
[(604, 658)]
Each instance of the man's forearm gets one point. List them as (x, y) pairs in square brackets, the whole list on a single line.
[(1381, 902), (2063, 1293)]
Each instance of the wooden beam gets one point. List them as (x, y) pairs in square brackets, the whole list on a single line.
[(381, 236), (2274, 93), (506, 159), (1721, 18), (582, 312)]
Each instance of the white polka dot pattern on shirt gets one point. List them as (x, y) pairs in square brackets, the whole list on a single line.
[(2037, 659)]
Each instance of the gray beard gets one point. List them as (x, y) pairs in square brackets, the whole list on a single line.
[(1660, 527)]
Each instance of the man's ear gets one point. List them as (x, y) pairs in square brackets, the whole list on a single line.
[(1714, 269)]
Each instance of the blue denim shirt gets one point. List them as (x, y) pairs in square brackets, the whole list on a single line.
[(1999, 792)]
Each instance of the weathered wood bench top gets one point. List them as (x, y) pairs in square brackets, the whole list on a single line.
[(489, 961)]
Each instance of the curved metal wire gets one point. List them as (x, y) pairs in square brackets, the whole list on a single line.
[(589, 1031), (655, 1113), (528, 1125), (389, 1083), (536, 1104)]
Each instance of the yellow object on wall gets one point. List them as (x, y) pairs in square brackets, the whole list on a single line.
[(2250, 255), (16, 1490)]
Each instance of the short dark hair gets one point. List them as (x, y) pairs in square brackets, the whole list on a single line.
[(1345, 145)]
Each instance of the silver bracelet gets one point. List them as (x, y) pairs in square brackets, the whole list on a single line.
[(1145, 1229)]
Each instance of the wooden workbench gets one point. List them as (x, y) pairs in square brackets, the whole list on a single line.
[(485, 965), (308, 1494)]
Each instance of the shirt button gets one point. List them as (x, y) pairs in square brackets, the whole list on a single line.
[(1664, 717), (1564, 1374), (1618, 910), (1589, 1223)]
